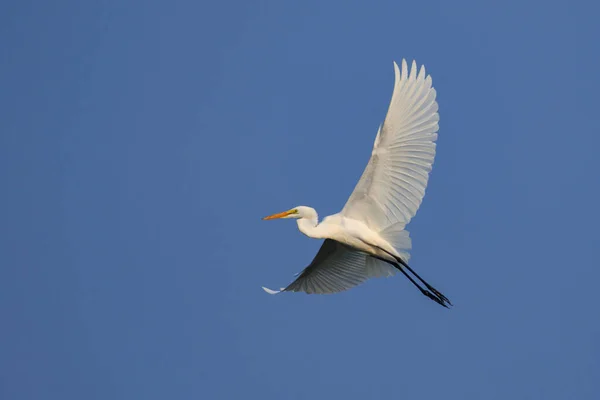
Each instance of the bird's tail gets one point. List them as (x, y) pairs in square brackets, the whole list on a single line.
[(398, 238)]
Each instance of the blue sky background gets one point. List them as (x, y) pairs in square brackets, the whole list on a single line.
[(141, 142)]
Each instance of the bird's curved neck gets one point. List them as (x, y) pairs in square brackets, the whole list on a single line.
[(309, 225)]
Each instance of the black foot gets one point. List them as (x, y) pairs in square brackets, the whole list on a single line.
[(438, 297)]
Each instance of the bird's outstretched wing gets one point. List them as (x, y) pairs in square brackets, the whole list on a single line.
[(336, 268), (392, 185)]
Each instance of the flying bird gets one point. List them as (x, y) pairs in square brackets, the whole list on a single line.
[(367, 238)]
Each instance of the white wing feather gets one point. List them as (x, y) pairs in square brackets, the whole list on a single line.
[(336, 268), (392, 186)]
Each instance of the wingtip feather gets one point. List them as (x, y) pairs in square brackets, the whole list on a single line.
[(396, 73), (271, 291), (413, 71)]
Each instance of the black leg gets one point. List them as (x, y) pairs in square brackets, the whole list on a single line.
[(427, 285), (427, 293), (435, 297)]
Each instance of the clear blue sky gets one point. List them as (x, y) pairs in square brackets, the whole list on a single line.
[(141, 142)]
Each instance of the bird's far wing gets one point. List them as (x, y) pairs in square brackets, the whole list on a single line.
[(392, 185), (336, 268)]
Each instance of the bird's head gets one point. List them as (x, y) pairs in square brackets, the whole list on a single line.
[(296, 213)]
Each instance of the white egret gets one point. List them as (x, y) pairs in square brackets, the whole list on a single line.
[(368, 237)]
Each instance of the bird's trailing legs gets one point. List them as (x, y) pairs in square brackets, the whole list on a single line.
[(432, 293), (427, 285), (426, 292)]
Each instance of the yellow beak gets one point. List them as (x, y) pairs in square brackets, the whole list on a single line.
[(280, 215)]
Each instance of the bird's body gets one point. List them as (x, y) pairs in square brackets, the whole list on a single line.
[(351, 233), (368, 238)]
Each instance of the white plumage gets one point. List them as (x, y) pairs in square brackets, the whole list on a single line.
[(367, 238)]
